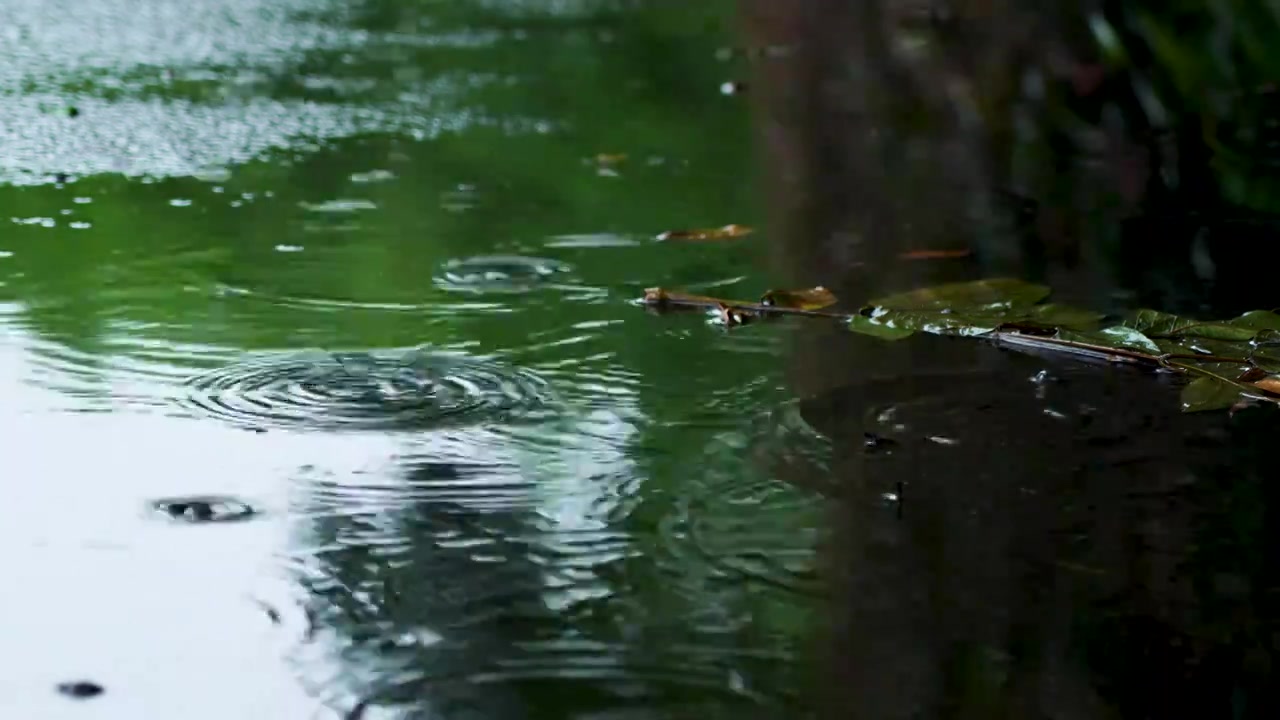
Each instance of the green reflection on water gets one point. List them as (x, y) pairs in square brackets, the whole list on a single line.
[(308, 198)]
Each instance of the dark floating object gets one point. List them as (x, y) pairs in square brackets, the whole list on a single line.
[(80, 689), (877, 443), (73, 111), (204, 509)]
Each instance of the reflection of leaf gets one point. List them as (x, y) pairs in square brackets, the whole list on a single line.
[(980, 294), (814, 298), (728, 232), (1154, 323), (1209, 393), (867, 326)]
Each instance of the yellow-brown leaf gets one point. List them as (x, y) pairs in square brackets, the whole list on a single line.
[(1270, 384), (728, 232), (814, 298)]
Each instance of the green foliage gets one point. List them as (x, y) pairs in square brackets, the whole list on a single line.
[(1228, 360)]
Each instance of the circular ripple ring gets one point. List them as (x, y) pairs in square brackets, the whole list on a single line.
[(405, 390)]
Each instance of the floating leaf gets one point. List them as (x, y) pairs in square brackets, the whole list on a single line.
[(733, 316), (658, 297), (979, 294), (814, 298), (1154, 323), (1271, 384), (935, 254), (1252, 374), (1209, 393), (868, 326), (728, 232), (940, 323), (1119, 338), (1258, 320), (1061, 317)]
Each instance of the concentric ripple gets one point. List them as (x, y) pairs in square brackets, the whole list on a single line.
[(763, 470), (499, 274), (405, 390)]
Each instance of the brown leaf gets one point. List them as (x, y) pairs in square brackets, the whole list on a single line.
[(658, 297), (935, 254), (728, 232), (610, 158), (732, 316), (814, 298), (1270, 384), (1252, 374)]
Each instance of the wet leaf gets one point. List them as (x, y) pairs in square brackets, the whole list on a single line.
[(814, 298), (935, 254), (1154, 323), (1209, 393), (728, 232), (731, 316), (961, 324), (1258, 320), (1119, 338), (1270, 383), (995, 293), (1062, 317), (868, 326)]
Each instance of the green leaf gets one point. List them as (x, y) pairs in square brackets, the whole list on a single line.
[(1258, 320), (940, 322), (1154, 323), (1062, 317), (1120, 338), (996, 293), (1209, 393), (867, 326)]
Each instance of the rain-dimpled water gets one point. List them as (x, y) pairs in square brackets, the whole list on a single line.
[(326, 390)]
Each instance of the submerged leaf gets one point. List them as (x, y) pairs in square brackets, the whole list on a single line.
[(814, 298), (868, 326), (1209, 393), (728, 232), (1154, 323), (995, 293)]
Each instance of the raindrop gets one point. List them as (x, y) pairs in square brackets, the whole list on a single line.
[(204, 509), (498, 274), (80, 689)]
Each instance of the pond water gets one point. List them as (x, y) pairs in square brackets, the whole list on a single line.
[(322, 382), (325, 396)]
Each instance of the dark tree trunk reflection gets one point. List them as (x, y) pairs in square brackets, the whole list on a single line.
[(1065, 544)]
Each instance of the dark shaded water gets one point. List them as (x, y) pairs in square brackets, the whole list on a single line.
[(324, 395)]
